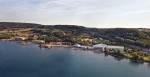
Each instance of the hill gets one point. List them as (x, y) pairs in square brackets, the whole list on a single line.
[(122, 36)]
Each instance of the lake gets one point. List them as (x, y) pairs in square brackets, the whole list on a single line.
[(18, 60)]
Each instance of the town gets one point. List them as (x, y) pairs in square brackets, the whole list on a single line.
[(74, 38), (132, 44), (116, 51)]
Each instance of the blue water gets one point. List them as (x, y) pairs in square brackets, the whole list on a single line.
[(18, 60)]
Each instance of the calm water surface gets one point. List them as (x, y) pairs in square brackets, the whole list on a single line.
[(18, 60)]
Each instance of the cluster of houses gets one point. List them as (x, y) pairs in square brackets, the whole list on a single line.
[(87, 39), (101, 47), (41, 41)]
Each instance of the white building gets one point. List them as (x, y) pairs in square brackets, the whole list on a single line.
[(110, 47), (77, 45), (86, 47), (100, 47)]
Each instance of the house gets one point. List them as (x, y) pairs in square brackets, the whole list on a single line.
[(86, 39), (100, 47), (20, 39), (115, 48)]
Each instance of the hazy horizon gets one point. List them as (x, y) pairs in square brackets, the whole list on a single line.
[(77, 25), (88, 13)]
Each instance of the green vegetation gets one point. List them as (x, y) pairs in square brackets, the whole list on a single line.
[(136, 56), (72, 33), (126, 55), (130, 38)]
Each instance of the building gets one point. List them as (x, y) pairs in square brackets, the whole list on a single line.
[(60, 43), (86, 47), (35, 37), (115, 48), (20, 39), (77, 45), (87, 39), (39, 41), (100, 47)]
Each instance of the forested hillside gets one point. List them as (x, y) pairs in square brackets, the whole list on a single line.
[(122, 36)]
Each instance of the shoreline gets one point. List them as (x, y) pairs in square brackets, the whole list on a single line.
[(49, 46)]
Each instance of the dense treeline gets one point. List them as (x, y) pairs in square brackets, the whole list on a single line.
[(117, 35), (128, 36), (7, 25)]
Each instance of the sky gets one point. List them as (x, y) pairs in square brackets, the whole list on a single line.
[(89, 13)]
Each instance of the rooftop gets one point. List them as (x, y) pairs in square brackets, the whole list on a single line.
[(100, 45), (110, 46)]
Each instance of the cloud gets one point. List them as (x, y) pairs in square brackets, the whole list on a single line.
[(81, 12)]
